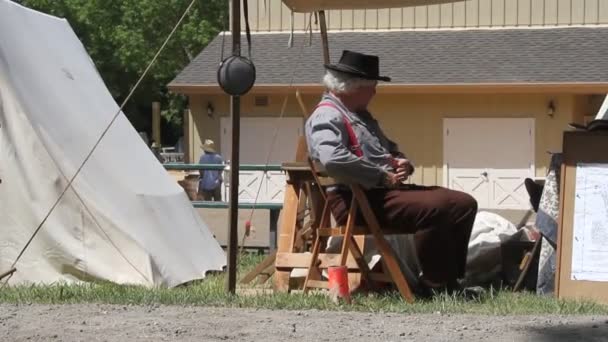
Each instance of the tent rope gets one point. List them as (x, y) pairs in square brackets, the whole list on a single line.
[(86, 159), (276, 129)]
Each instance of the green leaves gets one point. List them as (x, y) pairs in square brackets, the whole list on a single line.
[(122, 37)]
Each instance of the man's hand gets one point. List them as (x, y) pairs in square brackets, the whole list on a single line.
[(403, 166), (392, 180)]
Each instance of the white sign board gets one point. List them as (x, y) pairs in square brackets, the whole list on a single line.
[(590, 242)]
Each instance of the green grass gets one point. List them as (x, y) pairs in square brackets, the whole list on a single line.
[(211, 292)]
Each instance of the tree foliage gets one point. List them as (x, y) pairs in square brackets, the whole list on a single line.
[(122, 37)]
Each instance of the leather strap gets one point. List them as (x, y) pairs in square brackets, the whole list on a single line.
[(247, 29), (352, 137)]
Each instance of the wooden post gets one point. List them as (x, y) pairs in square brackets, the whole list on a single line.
[(305, 112), (287, 234), (324, 39), (156, 122), (186, 138), (235, 114)]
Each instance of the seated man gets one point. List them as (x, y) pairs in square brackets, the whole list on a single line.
[(348, 141)]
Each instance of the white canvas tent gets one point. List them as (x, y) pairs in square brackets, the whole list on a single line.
[(602, 113), (124, 219)]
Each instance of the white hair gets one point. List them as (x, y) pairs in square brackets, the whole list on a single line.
[(343, 83)]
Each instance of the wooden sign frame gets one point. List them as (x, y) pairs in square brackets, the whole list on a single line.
[(578, 147)]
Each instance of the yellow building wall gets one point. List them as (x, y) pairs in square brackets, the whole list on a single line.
[(204, 126), (273, 15), (415, 121)]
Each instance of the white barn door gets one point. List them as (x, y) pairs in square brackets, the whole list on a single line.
[(257, 146), (489, 159)]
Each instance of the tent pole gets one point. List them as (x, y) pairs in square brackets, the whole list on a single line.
[(324, 39), (235, 113)]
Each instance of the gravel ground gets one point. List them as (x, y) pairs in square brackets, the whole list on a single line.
[(96, 322)]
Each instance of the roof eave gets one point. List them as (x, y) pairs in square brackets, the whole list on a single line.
[(419, 88)]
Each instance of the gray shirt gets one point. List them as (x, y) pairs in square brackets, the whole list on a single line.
[(328, 142)]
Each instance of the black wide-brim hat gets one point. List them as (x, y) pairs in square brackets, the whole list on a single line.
[(360, 65)]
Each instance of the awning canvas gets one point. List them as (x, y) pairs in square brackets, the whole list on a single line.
[(318, 5)]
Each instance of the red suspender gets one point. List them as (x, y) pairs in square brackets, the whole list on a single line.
[(352, 138)]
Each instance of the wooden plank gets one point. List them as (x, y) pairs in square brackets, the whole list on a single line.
[(578, 147), (559, 251), (357, 231), (324, 39), (357, 247), (317, 284), (156, 123), (287, 234), (301, 150), (281, 280), (299, 239), (386, 251), (304, 236), (348, 232), (186, 132), (266, 274), (301, 260), (314, 273), (288, 222), (296, 166), (303, 108), (357, 254), (338, 231), (268, 261)]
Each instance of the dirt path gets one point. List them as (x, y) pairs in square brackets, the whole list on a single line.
[(91, 322)]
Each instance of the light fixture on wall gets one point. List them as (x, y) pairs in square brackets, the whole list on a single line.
[(551, 109), (210, 110)]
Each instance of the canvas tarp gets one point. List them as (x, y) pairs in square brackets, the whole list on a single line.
[(318, 5), (124, 219)]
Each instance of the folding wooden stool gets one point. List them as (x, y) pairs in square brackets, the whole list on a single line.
[(359, 202)]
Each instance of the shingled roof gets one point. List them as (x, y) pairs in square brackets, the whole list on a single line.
[(498, 56)]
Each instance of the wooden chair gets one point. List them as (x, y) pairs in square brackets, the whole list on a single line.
[(392, 270)]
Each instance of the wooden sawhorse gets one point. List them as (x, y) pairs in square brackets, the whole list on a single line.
[(296, 233)]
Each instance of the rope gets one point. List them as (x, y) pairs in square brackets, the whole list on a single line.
[(276, 132), (105, 131)]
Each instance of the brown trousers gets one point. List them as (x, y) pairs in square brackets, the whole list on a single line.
[(440, 219), (211, 195)]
